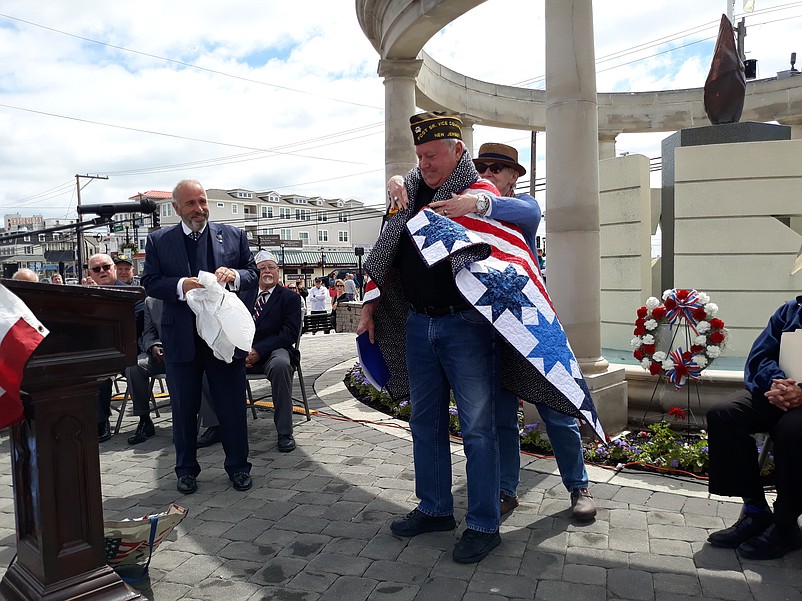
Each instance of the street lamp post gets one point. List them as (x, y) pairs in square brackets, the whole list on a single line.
[(359, 251), (322, 264), (283, 268)]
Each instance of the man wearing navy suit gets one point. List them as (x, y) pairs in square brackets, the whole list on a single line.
[(174, 256), (277, 316)]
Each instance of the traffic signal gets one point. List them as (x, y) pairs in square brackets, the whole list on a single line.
[(156, 225)]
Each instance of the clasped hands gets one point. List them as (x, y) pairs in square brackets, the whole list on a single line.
[(252, 359), (784, 394), (457, 206)]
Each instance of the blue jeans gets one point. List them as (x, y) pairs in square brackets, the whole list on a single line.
[(454, 352), (563, 432), (509, 440)]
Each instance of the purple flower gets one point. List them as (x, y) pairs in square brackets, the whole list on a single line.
[(403, 404), (674, 463), (452, 410), (703, 450), (530, 428)]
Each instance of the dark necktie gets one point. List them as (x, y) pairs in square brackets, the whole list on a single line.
[(194, 235), (260, 304)]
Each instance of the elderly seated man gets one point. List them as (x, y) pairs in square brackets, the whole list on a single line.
[(277, 316), (770, 403)]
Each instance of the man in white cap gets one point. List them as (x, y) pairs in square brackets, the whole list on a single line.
[(277, 315)]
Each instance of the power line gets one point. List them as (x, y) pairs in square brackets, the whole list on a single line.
[(191, 65), (176, 136), (669, 38)]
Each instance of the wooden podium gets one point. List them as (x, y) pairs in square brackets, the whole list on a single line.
[(54, 451)]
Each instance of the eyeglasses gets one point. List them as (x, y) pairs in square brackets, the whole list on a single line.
[(340, 286), (494, 168), (99, 268)]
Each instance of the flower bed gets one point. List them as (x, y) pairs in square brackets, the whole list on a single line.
[(658, 447)]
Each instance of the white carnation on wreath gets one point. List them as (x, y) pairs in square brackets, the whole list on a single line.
[(705, 334)]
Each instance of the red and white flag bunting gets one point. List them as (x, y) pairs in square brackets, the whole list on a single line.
[(20, 334)]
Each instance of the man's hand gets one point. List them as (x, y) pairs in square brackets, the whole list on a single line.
[(157, 352), (225, 275), (784, 394), (190, 284), (366, 320), (397, 193), (457, 206), (252, 359)]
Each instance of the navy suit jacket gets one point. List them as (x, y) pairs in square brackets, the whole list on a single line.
[(166, 262), (279, 323)]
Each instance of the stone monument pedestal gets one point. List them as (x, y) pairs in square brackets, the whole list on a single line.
[(728, 133)]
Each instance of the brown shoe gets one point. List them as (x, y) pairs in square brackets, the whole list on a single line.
[(582, 506), (508, 503)]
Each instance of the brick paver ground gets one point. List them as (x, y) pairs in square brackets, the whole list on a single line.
[(315, 526)]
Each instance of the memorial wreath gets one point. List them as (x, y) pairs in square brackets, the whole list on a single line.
[(705, 335)]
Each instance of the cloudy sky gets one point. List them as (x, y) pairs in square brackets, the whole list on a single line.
[(284, 95)]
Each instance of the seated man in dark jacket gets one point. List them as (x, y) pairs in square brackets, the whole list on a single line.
[(277, 315), (769, 403)]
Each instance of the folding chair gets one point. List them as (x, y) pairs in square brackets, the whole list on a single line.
[(296, 370), (127, 396)]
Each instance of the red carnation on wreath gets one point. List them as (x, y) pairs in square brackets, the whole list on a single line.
[(705, 337)]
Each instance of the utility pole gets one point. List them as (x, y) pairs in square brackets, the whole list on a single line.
[(533, 165), (740, 31), (79, 232)]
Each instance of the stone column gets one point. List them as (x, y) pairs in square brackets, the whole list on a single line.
[(607, 144), (399, 105), (572, 173), (796, 126), (467, 134)]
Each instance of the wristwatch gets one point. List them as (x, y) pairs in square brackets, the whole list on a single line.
[(482, 204)]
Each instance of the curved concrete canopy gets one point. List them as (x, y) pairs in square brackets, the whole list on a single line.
[(399, 29)]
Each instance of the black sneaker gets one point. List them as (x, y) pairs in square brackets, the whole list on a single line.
[(475, 546), (187, 484), (103, 431), (209, 437), (416, 522), (749, 526), (772, 543), (144, 430), (241, 481)]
